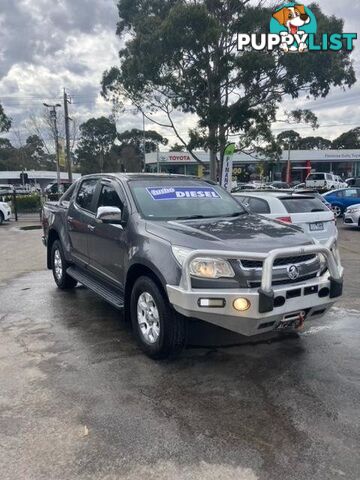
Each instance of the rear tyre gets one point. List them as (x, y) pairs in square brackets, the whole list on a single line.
[(1, 218), (337, 210), (59, 266), (159, 330)]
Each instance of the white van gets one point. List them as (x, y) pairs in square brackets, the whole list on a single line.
[(323, 181)]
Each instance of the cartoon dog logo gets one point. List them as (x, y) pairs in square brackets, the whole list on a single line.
[(293, 18)]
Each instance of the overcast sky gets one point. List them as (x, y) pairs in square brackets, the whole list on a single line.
[(46, 45)]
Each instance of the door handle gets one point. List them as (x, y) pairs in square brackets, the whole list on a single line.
[(70, 219), (91, 228)]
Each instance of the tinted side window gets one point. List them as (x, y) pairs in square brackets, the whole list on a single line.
[(109, 198), (350, 193), (86, 194), (258, 205)]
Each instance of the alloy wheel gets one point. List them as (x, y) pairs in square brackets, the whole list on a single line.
[(58, 265), (148, 318), (337, 210)]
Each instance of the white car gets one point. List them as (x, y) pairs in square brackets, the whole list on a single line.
[(352, 215), (324, 181), (5, 212), (305, 211), (341, 182)]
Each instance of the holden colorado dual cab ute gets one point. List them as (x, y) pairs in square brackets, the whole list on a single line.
[(171, 248)]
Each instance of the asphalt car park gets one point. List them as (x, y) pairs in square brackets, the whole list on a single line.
[(79, 400)]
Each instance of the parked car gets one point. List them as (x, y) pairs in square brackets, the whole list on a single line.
[(340, 182), (54, 188), (305, 211), (5, 212), (299, 186), (342, 198), (170, 248), (323, 181), (314, 193), (243, 186), (352, 215), (6, 189), (279, 185), (353, 182)]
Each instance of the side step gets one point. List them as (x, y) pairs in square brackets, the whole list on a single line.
[(107, 293)]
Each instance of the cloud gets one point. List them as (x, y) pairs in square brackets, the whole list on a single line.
[(46, 45)]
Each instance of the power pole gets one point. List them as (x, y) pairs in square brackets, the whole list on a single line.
[(56, 135), (67, 135), (143, 142)]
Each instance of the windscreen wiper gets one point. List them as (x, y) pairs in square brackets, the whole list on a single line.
[(190, 217)]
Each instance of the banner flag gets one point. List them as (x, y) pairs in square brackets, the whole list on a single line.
[(226, 177)]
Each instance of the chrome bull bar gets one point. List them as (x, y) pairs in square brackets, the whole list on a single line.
[(266, 293)]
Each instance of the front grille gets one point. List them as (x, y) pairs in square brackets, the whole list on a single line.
[(279, 261), (285, 281)]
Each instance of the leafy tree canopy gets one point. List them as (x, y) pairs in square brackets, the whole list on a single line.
[(97, 137), (5, 122), (350, 139), (182, 55), (136, 137)]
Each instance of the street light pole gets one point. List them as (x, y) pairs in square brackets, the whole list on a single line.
[(67, 135), (56, 135)]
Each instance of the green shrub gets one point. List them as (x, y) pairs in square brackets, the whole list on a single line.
[(27, 203)]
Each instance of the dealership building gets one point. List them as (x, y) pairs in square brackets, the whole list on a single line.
[(34, 177), (345, 163)]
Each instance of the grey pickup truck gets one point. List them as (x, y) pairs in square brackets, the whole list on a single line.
[(171, 248)]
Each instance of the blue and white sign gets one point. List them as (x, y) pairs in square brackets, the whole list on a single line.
[(173, 193)]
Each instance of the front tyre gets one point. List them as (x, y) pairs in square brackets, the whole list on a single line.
[(159, 330), (337, 210), (59, 266)]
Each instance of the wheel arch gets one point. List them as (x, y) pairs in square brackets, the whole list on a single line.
[(52, 236), (137, 270)]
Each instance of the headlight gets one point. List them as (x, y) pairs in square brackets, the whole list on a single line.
[(204, 267), (353, 210), (211, 268)]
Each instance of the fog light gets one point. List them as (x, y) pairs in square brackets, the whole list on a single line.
[(211, 302), (241, 304)]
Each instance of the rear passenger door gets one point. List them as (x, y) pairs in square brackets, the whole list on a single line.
[(107, 242), (81, 214)]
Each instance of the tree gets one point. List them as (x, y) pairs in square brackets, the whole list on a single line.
[(131, 148), (314, 143), (97, 137), (289, 139), (5, 122), (182, 56), (350, 139), (177, 147), (136, 137)]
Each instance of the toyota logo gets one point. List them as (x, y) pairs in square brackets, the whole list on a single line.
[(293, 272)]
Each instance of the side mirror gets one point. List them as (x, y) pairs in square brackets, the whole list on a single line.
[(109, 215)]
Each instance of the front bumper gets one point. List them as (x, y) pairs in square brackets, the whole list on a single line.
[(7, 214), (270, 306), (352, 218)]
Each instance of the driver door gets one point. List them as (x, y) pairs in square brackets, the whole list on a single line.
[(108, 242)]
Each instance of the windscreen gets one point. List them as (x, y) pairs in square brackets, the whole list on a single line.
[(304, 205), (316, 176), (168, 199)]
